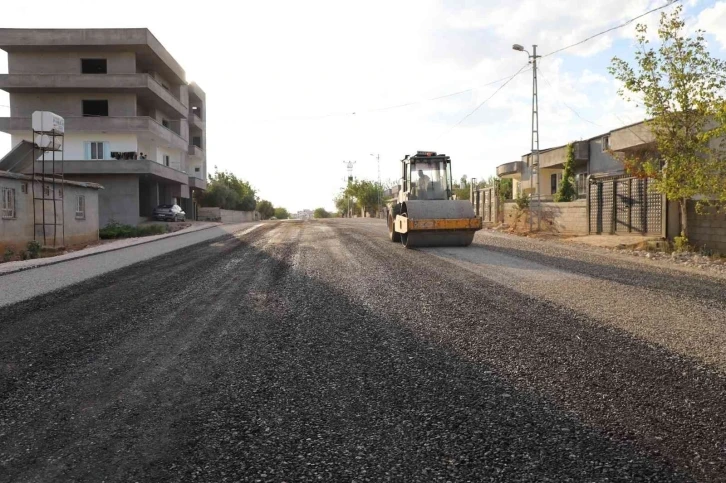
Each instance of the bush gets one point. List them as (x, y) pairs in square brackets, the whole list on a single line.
[(522, 201), (320, 213), (681, 243), (33, 249), (8, 255), (116, 230)]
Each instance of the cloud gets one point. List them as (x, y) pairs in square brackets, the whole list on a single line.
[(713, 21)]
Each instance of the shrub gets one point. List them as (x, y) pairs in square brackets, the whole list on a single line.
[(681, 243), (116, 230), (33, 247)]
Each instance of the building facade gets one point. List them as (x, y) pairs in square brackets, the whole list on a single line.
[(132, 122), (78, 203)]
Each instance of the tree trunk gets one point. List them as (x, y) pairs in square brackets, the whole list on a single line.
[(684, 217)]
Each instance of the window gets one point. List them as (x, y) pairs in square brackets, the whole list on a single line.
[(553, 183), (46, 191), (8, 203), (93, 66), (97, 150), (95, 108), (582, 185), (24, 188), (197, 141), (605, 143), (196, 170), (166, 160), (80, 207), (165, 123)]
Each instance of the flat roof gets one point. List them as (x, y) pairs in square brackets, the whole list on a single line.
[(26, 177), (139, 40)]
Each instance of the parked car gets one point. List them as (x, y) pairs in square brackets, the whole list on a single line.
[(169, 213)]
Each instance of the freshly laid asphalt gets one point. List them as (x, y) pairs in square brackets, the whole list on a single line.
[(320, 351)]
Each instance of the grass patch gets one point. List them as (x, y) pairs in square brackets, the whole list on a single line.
[(116, 230)]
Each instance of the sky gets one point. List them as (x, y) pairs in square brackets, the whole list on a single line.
[(296, 89)]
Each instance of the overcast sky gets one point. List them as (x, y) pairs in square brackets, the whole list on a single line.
[(296, 88)]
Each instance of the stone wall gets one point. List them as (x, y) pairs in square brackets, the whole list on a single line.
[(227, 216), (570, 217), (708, 229)]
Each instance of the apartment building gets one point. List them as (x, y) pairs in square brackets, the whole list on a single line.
[(133, 124)]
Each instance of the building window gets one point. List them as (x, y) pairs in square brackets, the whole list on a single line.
[(24, 188), (166, 160), (605, 143), (93, 66), (197, 141), (581, 185), (553, 183), (80, 207), (95, 108), (165, 123), (46, 191), (8, 203), (96, 149), (196, 170)]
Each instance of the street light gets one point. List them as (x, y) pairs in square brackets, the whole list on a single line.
[(535, 129), (378, 160)]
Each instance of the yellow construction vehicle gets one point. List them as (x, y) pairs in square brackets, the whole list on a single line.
[(425, 213)]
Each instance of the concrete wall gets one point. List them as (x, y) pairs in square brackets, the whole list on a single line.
[(707, 230), (74, 144), (602, 162), (70, 104), (226, 216), (18, 231), (119, 200), (68, 62), (570, 217)]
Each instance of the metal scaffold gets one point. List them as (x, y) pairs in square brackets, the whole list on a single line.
[(48, 179)]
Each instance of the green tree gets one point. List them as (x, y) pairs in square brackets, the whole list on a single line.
[(364, 194), (320, 213), (225, 190), (341, 203), (281, 213), (567, 190), (681, 88), (265, 209)]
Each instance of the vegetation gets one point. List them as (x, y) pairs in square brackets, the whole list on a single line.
[(281, 213), (363, 196), (116, 230), (226, 191), (33, 249), (265, 209), (567, 191), (8, 255), (462, 189), (681, 88), (320, 213)]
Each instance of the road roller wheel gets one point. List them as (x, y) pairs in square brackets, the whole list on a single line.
[(392, 233)]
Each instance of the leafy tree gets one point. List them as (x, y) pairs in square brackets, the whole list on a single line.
[(567, 190), (281, 213), (365, 194), (681, 87), (226, 191), (341, 204), (320, 213), (265, 209)]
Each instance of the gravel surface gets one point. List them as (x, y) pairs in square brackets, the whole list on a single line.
[(321, 351)]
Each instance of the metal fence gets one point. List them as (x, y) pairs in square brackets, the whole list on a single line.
[(622, 204)]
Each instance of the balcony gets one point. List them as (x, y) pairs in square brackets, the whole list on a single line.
[(137, 124), (197, 183), (195, 152), (147, 167), (144, 85), (195, 121), (510, 170), (637, 136)]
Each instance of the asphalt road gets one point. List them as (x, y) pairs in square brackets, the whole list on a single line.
[(322, 351)]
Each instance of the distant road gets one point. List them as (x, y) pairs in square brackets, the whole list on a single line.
[(321, 351)]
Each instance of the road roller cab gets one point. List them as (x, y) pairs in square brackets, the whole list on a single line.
[(425, 213)]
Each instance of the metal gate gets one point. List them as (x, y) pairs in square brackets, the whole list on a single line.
[(625, 205)]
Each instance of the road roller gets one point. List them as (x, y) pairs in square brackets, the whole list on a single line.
[(425, 213)]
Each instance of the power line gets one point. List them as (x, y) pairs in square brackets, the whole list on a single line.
[(563, 102), (670, 2), (484, 101)]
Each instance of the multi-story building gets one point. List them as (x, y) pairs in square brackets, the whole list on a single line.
[(133, 124)]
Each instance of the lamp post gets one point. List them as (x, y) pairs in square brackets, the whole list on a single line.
[(378, 190), (535, 129)]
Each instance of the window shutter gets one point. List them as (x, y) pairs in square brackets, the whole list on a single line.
[(87, 150)]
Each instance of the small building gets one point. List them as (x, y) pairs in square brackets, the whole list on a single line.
[(78, 201)]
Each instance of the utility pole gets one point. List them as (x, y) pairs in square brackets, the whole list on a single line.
[(378, 160), (349, 167), (535, 132)]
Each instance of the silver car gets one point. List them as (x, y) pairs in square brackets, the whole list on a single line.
[(169, 213)]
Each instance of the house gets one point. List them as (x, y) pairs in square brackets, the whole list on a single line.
[(132, 122), (76, 210)]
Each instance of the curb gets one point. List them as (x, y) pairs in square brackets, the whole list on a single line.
[(56, 262)]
